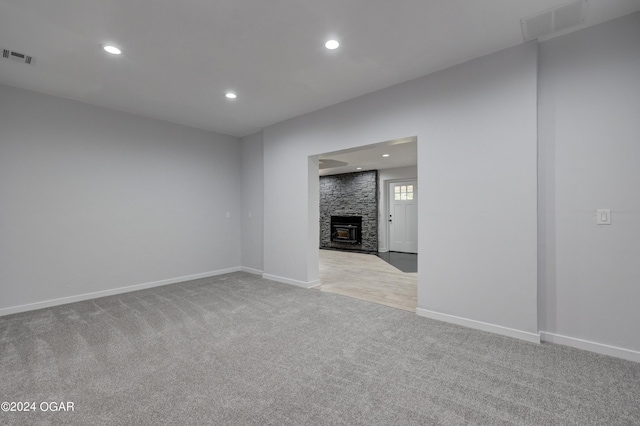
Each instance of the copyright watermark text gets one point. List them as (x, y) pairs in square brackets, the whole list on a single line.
[(21, 406)]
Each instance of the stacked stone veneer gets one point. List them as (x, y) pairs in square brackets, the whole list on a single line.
[(350, 194)]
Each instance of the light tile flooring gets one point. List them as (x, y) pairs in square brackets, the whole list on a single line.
[(367, 277)]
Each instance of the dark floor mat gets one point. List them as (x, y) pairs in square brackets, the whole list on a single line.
[(406, 262)]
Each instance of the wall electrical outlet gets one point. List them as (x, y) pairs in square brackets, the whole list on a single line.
[(603, 216)]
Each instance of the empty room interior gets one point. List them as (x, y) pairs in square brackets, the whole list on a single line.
[(336, 212)]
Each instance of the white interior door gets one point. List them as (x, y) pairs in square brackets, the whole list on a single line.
[(403, 216)]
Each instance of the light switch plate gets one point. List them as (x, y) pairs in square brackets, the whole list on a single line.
[(603, 216)]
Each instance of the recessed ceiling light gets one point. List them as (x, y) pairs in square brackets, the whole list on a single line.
[(358, 168), (332, 44), (109, 48), (231, 95), (385, 155)]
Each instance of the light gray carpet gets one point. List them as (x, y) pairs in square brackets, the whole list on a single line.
[(236, 349)]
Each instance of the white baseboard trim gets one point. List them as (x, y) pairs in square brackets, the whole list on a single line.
[(479, 325), (586, 345), (103, 293), (297, 283), (250, 270)]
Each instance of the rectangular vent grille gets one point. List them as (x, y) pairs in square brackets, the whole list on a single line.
[(17, 56), (554, 20)]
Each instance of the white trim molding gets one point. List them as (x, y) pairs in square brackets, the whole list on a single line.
[(103, 293), (586, 345), (479, 325), (297, 283), (251, 270)]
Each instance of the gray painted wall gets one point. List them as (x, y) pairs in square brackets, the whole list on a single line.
[(476, 130), (252, 202), (590, 159), (95, 199)]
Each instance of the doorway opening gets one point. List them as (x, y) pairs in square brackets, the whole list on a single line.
[(387, 274), (401, 206)]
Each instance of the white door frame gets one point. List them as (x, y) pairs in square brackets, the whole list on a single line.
[(387, 207)]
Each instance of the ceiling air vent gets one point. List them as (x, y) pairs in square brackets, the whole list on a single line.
[(17, 56), (554, 20)]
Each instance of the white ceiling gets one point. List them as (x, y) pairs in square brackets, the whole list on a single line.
[(402, 153), (180, 57)]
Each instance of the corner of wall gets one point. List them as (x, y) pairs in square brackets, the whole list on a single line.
[(252, 183)]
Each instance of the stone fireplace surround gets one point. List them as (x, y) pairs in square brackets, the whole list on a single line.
[(350, 194)]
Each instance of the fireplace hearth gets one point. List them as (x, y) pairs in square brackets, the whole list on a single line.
[(349, 212), (346, 229)]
